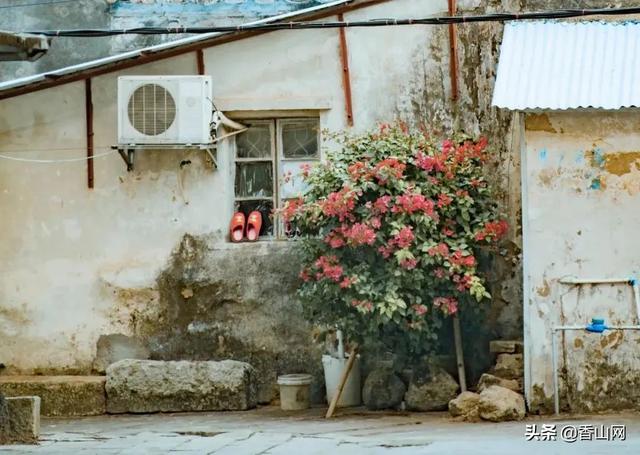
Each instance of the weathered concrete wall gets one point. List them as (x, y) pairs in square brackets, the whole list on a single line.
[(144, 253), (582, 186)]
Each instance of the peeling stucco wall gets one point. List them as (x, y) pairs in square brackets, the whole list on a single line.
[(582, 186), (144, 253)]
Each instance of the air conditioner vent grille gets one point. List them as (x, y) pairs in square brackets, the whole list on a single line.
[(151, 109)]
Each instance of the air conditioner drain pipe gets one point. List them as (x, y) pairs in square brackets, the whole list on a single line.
[(596, 326)]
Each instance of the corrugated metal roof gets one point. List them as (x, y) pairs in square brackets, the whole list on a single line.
[(568, 65)]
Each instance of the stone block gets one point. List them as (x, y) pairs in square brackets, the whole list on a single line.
[(115, 347), (141, 386), (61, 396), (487, 380), (506, 347), (23, 420), (465, 406), (383, 390), (432, 392), (498, 404), (509, 366)]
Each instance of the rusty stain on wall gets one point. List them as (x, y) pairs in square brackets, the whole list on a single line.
[(538, 122)]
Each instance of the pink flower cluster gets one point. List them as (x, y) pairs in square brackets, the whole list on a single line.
[(404, 238), (339, 204), (444, 200), (413, 202), (429, 163), (409, 263), (441, 249), (458, 258), (493, 230), (354, 235), (419, 309), (365, 305), (462, 282), (389, 168), (329, 268), (381, 205), (447, 304)]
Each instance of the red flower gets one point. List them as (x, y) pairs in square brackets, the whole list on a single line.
[(444, 200), (448, 305), (365, 305), (304, 275), (389, 168), (419, 309), (413, 202), (492, 230), (359, 234), (291, 208), (339, 204), (335, 240), (457, 258), (375, 222), (408, 264), (306, 169), (329, 268), (385, 251), (404, 238), (382, 204), (346, 282), (440, 249), (429, 163)]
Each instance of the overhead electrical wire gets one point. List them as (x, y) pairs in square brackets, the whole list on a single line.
[(298, 25)]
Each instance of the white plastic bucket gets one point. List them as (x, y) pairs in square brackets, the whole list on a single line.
[(333, 368), (294, 391)]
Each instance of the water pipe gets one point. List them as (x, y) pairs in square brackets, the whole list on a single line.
[(632, 281), (597, 325)]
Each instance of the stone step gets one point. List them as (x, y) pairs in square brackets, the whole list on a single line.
[(506, 347), (61, 396)]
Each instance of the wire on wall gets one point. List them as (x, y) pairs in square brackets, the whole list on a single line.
[(440, 20)]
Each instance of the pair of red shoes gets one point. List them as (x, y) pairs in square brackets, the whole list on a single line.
[(253, 225)]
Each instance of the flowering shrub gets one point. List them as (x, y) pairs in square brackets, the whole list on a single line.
[(392, 224)]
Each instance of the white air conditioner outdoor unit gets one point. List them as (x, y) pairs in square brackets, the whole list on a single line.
[(164, 110)]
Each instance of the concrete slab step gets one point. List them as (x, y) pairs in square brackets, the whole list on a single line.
[(61, 396)]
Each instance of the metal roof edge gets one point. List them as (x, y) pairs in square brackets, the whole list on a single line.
[(16, 87)]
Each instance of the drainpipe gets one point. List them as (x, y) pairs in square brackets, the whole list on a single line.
[(453, 52)]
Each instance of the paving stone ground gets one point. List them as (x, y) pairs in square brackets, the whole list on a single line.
[(269, 431)]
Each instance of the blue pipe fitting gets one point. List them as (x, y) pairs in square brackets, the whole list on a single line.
[(596, 326)]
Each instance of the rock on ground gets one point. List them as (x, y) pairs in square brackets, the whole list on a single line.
[(487, 380), (465, 405), (62, 396), (499, 404), (114, 347), (140, 386), (382, 390), (509, 366), (431, 393), (22, 423)]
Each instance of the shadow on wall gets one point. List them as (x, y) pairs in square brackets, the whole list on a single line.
[(233, 302)]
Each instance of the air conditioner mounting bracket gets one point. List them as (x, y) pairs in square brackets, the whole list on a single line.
[(127, 151)]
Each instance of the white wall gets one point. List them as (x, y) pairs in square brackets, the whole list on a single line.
[(581, 216), (74, 261)]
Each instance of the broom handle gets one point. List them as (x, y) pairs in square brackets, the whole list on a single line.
[(343, 381)]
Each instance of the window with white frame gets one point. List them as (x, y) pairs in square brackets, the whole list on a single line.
[(268, 161)]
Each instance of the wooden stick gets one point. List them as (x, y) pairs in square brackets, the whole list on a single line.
[(457, 336), (343, 381)]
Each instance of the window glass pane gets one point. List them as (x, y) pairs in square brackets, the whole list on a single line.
[(300, 139), (293, 185), (264, 207), (255, 142), (254, 179)]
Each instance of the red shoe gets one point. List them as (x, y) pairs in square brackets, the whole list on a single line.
[(254, 223), (236, 229)]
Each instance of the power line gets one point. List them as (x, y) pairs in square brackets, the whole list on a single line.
[(61, 160), (23, 5), (441, 20)]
